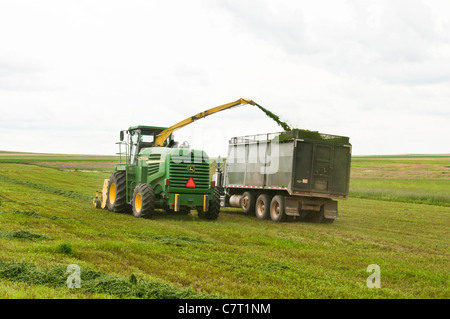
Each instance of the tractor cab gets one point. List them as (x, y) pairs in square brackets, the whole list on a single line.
[(140, 137)]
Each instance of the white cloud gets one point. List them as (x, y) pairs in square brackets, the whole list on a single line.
[(72, 74)]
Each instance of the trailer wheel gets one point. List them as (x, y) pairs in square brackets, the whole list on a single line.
[(116, 192), (247, 202), (262, 206), (143, 201), (277, 213)]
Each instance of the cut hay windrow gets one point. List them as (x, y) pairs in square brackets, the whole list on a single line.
[(96, 282), (54, 190)]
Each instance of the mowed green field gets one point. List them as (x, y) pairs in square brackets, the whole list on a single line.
[(397, 217)]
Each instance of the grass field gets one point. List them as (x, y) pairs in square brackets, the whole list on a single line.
[(397, 216)]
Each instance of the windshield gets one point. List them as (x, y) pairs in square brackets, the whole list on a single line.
[(147, 138), (140, 139)]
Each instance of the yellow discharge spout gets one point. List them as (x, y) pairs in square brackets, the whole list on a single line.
[(161, 137)]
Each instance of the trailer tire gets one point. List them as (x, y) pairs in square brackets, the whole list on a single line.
[(277, 213), (117, 192), (143, 201), (247, 202), (262, 206)]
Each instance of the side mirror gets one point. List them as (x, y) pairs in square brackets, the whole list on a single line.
[(121, 136)]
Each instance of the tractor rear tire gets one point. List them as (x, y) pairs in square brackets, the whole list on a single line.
[(117, 192), (143, 201), (214, 207)]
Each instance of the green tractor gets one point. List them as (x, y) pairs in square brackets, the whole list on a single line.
[(157, 173), (169, 177)]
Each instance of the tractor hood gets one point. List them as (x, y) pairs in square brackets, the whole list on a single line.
[(153, 155)]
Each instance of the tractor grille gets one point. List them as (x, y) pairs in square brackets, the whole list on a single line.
[(153, 166), (179, 173)]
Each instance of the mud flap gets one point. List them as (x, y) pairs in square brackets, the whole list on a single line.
[(330, 209), (291, 206)]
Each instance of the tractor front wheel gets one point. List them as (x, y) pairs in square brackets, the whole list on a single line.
[(116, 192), (143, 201)]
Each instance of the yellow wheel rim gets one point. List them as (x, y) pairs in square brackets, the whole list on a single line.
[(112, 193), (138, 202)]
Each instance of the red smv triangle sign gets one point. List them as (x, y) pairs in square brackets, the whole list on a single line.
[(190, 183)]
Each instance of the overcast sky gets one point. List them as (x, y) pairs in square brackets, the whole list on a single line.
[(75, 73)]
